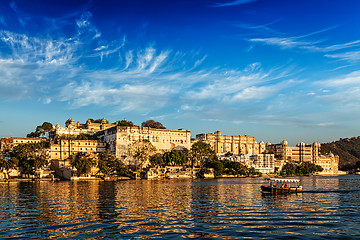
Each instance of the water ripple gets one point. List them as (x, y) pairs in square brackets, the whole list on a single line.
[(180, 209)]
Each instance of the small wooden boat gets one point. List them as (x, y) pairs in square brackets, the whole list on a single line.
[(282, 185)]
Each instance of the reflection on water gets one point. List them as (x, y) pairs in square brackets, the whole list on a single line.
[(218, 209)]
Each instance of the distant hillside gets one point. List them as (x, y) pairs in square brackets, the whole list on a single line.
[(348, 150)]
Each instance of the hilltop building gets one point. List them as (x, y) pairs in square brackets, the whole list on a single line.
[(241, 144), (91, 127), (120, 137)]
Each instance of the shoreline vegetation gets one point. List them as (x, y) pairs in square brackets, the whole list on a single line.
[(115, 179)]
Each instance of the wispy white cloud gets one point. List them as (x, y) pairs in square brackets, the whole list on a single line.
[(342, 93), (283, 42), (345, 81), (302, 42), (352, 56), (84, 20), (260, 28), (40, 51), (233, 3)]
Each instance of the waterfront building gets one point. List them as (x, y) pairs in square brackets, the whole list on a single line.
[(304, 153), (241, 144), (63, 149), (300, 153), (329, 163), (7, 144), (120, 137), (71, 128), (264, 163)]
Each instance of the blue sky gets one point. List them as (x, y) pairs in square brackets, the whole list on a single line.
[(269, 69)]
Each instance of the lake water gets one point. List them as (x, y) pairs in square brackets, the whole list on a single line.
[(329, 208)]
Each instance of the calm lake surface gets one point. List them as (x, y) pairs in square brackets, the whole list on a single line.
[(329, 208)]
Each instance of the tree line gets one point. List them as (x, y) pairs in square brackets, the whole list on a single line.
[(302, 169)]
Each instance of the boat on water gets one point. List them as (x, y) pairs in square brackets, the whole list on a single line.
[(282, 185)]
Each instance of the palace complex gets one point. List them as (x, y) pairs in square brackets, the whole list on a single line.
[(101, 135)]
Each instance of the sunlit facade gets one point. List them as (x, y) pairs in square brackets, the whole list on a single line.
[(120, 137), (7, 144), (300, 153), (241, 144)]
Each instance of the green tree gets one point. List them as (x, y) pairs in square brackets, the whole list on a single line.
[(228, 154), (41, 130), (215, 164), (152, 124), (30, 157), (7, 164), (157, 160), (108, 164), (305, 168), (141, 151), (199, 152), (252, 172), (33, 135), (83, 163), (125, 123), (289, 169), (174, 158), (83, 136)]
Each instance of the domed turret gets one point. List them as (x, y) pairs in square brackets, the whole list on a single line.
[(70, 121), (284, 142), (104, 121)]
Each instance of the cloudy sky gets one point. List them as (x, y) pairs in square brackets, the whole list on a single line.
[(272, 69)]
